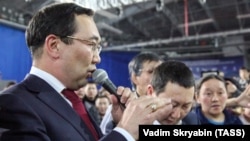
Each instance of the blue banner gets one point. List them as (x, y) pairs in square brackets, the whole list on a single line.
[(228, 65)]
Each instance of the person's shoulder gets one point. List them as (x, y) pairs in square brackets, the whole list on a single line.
[(191, 118), (12, 90), (113, 135)]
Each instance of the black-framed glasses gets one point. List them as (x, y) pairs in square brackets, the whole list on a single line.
[(94, 46)]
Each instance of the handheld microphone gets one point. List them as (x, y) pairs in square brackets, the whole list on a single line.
[(100, 76)]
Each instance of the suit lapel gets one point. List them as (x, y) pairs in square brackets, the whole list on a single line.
[(98, 129), (53, 100)]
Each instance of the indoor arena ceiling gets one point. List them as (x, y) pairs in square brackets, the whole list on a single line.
[(175, 28)]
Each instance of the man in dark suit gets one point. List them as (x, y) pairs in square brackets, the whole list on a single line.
[(64, 43), (174, 80)]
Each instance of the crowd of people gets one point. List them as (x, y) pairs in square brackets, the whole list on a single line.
[(58, 101), (211, 100)]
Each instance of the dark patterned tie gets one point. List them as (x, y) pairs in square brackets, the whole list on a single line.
[(80, 109)]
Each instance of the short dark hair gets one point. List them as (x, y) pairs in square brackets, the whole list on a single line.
[(174, 72), (57, 19), (135, 65), (243, 68), (99, 96), (90, 81)]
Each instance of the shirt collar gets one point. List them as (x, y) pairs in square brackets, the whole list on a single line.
[(50, 79), (158, 123)]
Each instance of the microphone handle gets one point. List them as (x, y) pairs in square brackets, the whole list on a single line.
[(111, 88)]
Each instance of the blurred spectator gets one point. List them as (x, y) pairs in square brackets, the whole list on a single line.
[(141, 69), (233, 87), (104, 92), (233, 91), (81, 92), (243, 78), (102, 102), (91, 92)]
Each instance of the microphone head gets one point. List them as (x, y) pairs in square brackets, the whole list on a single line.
[(99, 76)]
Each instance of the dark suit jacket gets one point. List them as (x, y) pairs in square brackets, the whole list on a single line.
[(191, 119), (34, 111)]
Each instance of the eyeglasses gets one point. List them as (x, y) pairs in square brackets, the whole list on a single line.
[(94, 46)]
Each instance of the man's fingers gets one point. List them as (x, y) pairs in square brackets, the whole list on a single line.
[(247, 90), (163, 112), (156, 108), (125, 95), (152, 104)]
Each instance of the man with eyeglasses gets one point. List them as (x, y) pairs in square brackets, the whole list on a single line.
[(64, 44), (94, 46), (141, 69)]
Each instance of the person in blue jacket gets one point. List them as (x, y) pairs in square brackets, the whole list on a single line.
[(212, 98)]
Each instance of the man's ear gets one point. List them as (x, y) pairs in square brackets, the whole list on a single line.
[(197, 98), (52, 43), (150, 90)]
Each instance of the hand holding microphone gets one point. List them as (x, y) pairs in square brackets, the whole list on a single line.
[(100, 76)]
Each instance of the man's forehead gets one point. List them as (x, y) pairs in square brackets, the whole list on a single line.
[(150, 63), (177, 92)]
